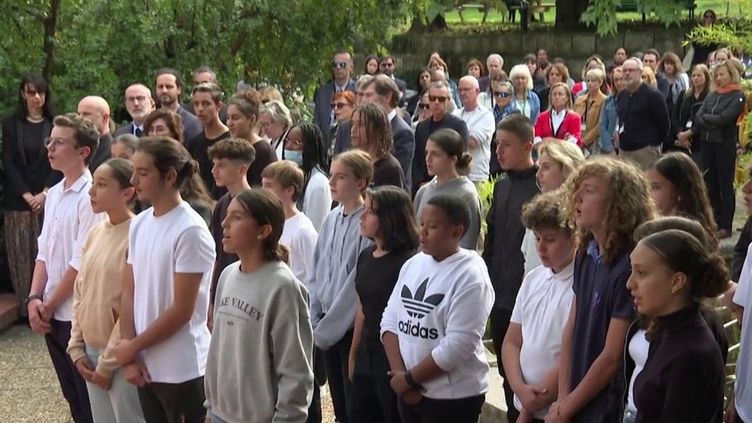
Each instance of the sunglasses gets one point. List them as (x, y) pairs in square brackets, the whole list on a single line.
[(424, 106), (339, 105), (502, 94), (339, 65), (439, 98)]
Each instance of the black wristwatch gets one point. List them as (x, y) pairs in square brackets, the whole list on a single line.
[(33, 297), (410, 381)]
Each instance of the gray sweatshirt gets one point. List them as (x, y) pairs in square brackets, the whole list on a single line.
[(463, 188), (260, 363), (334, 300)]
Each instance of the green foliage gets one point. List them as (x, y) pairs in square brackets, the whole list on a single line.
[(601, 14), (729, 34), (102, 46)]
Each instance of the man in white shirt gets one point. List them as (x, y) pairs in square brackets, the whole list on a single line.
[(139, 103), (67, 219), (480, 126)]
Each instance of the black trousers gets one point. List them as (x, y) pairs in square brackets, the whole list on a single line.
[(335, 359), (720, 167), (372, 399), (71, 382), (428, 410), (499, 324), (173, 402)]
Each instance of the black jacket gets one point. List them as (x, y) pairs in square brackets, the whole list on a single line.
[(501, 252), (422, 132), (715, 121), (21, 173), (684, 113)]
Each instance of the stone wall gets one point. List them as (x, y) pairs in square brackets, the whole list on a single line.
[(412, 50)]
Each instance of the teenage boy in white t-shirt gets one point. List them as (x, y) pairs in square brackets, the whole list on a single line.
[(433, 324), (166, 289), (532, 345), (68, 217), (285, 179)]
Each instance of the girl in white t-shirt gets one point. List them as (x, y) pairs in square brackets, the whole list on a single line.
[(433, 324), (166, 288), (532, 345)]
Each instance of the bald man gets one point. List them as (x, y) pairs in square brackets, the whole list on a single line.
[(97, 110), (494, 63), (139, 103), (480, 127)]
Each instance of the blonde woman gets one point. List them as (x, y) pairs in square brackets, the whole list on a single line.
[(589, 107), (525, 99)]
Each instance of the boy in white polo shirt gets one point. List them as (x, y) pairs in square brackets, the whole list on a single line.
[(532, 345), (433, 324), (68, 217), (165, 295)]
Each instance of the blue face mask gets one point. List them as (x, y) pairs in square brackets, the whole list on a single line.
[(296, 156)]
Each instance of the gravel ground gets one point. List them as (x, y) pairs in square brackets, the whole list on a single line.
[(29, 391)]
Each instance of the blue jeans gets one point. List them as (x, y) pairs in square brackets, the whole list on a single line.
[(117, 405)]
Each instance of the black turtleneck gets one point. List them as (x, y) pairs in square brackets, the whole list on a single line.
[(682, 381), (502, 252)]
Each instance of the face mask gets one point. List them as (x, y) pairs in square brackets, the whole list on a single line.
[(296, 156)]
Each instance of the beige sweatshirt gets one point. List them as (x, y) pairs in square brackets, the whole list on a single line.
[(96, 294)]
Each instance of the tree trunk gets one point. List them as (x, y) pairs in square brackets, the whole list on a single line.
[(438, 24), (50, 28), (568, 14)]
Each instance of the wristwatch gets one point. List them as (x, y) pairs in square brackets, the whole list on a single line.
[(33, 297)]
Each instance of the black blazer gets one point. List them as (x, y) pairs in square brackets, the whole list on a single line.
[(21, 175), (191, 125), (403, 144), (322, 101), (102, 153)]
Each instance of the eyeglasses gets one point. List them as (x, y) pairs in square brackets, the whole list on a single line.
[(502, 94), (439, 98), (339, 65), (339, 105), (424, 106), (139, 99), (32, 93), (56, 143)]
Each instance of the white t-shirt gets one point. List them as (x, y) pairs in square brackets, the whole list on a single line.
[(300, 237), (743, 386), (638, 350), (441, 308), (317, 201), (529, 252), (159, 247), (542, 309)]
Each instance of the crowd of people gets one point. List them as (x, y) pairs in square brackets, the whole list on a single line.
[(220, 261)]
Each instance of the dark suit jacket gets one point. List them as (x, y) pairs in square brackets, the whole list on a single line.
[(21, 175), (126, 129), (322, 101), (402, 85), (103, 152), (342, 138), (403, 141), (191, 125)]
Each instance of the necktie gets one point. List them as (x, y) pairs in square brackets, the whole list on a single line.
[(139, 132)]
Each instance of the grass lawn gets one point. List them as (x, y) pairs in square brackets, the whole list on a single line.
[(474, 17)]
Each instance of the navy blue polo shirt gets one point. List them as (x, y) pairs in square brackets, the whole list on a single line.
[(601, 292)]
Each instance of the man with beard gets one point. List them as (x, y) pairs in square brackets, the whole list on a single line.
[(139, 104), (169, 86)]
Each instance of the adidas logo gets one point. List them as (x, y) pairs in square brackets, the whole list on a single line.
[(416, 305)]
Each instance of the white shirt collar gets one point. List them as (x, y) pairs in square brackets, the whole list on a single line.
[(392, 114)]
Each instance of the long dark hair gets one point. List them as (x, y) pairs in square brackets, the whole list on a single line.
[(315, 152), (168, 154), (41, 85), (266, 209), (398, 228), (693, 200)]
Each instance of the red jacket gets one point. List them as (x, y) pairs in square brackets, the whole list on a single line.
[(572, 125)]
